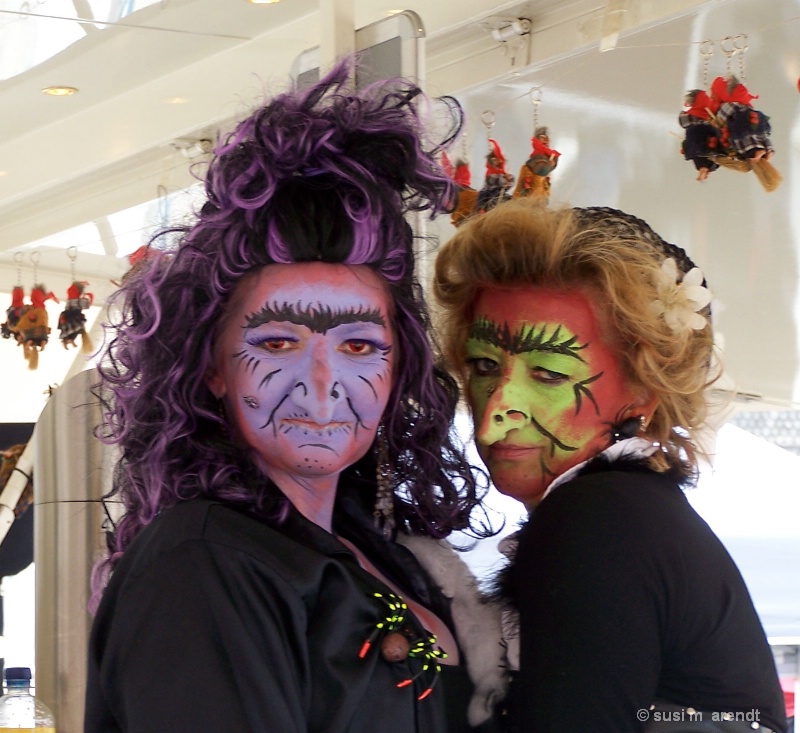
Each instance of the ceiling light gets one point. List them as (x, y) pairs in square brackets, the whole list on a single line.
[(60, 91), (263, 2)]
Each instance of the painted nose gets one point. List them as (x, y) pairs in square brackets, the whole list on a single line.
[(318, 389), (505, 411)]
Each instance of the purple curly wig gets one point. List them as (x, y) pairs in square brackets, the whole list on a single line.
[(321, 175)]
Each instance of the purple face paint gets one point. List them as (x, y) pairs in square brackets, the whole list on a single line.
[(304, 361)]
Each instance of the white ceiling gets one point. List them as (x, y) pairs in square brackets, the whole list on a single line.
[(184, 68), (613, 115)]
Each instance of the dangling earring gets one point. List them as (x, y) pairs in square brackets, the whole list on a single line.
[(222, 413), (384, 497), (628, 428)]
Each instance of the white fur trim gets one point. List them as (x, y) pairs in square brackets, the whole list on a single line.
[(628, 448), (478, 622)]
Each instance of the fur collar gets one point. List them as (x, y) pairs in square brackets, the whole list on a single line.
[(478, 622)]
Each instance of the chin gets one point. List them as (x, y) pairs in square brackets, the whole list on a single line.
[(528, 491)]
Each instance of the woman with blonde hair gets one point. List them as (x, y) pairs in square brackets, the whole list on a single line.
[(584, 345)]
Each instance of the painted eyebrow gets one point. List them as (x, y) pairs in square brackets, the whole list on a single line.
[(525, 340), (317, 318)]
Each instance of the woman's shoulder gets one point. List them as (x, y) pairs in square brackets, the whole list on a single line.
[(207, 531), (620, 485), (627, 504), (196, 520)]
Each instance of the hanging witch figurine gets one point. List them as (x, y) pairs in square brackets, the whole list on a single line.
[(497, 181), (744, 131), (722, 127), (534, 176), (466, 196), (33, 329), (13, 314), (701, 142), (72, 321)]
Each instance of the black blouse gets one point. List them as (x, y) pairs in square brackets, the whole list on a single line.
[(625, 596), (215, 622)]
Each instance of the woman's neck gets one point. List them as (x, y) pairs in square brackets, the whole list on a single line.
[(313, 497)]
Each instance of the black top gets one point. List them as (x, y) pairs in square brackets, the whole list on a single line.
[(214, 621), (626, 596)]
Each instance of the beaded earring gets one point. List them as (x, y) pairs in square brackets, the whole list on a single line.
[(384, 498)]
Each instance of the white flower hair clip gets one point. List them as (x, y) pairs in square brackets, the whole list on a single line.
[(680, 298)]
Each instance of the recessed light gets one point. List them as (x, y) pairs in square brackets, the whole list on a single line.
[(177, 100), (263, 2), (60, 91)]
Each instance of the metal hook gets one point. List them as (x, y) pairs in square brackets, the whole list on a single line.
[(730, 49), (18, 257), (740, 48), (707, 49), (72, 253), (536, 98), (35, 257)]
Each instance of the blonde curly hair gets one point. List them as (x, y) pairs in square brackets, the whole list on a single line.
[(615, 258)]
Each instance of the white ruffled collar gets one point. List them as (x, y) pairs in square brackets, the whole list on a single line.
[(628, 448)]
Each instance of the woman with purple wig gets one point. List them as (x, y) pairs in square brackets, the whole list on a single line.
[(285, 435)]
